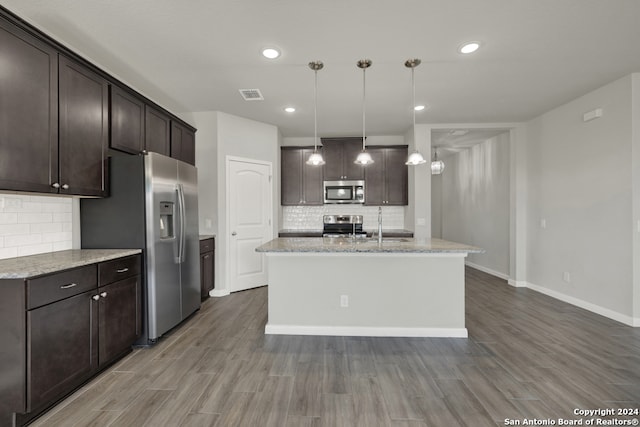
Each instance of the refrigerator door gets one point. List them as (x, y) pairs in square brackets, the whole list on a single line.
[(162, 235), (190, 266)]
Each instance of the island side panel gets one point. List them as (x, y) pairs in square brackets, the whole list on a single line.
[(389, 294)]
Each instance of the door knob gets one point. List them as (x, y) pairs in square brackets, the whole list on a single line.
[(233, 233)]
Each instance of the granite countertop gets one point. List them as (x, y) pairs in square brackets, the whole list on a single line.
[(207, 236), (36, 265), (349, 245)]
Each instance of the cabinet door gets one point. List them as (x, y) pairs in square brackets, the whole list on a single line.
[(28, 112), (127, 121), (206, 274), (351, 148), (312, 177), (332, 153), (374, 176), (183, 143), (84, 109), (61, 347), (291, 177), (119, 318), (157, 131), (396, 176)]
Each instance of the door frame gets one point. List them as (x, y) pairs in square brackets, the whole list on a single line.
[(227, 225)]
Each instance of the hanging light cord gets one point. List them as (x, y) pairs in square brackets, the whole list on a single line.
[(413, 89), (364, 79), (315, 112)]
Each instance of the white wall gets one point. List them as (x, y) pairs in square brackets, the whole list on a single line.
[(33, 224), (475, 203), (580, 184), (221, 135), (635, 167)]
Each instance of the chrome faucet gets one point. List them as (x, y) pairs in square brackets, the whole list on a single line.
[(380, 224)]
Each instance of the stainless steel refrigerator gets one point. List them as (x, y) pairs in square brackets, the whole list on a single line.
[(153, 205)]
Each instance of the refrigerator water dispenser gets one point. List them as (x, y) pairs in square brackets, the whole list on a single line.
[(166, 220)]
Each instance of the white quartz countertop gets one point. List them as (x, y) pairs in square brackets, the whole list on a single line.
[(36, 265), (349, 245)]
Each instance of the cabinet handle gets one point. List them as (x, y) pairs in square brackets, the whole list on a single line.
[(206, 257), (103, 295), (55, 185), (95, 297), (122, 270), (70, 285), (65, 186)]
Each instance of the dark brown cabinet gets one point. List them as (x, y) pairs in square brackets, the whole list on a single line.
[(301, 184), (127, 121), (157, 127), (60, 329), (183, 143), (84, 128), (386, 180), (339, 155), (207, 267), (28, 112), (62, 348), (120, 307)]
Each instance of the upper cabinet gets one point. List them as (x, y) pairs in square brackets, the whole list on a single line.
[(183, 142), (127, 121), (157, 131), (28, 112), (84, 129), (386, 180), (56, 116), (301, 183), (339, 155)]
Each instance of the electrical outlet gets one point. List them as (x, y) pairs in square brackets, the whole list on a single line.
[(543, 223), (2, 203), (344, 301), (207, 223), (566, 277)]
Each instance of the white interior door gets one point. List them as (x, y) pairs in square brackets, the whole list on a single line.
[(249, 192)]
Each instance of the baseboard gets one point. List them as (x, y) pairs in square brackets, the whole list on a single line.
[(217, 293), (365, 331), (594, 308), (517, 283), (487, 270)]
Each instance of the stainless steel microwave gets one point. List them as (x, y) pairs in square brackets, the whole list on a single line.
[(344, 191)]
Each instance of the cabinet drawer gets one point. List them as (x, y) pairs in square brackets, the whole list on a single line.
[(206, 245), (118, 269), (54, 287)]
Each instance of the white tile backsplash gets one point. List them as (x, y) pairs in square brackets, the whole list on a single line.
[(34, 224), (310, 217)]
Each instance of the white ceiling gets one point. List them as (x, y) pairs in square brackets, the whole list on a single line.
[(194, 55)]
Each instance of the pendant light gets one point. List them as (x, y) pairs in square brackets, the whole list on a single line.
[(415, 158), (315, 159), (437, 166), (363, 158)]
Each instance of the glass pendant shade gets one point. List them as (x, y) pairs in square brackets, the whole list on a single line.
[(415, 159), (437, 166), (315, 159), (363, 159)]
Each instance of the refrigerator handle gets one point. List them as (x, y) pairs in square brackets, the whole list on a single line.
[(182, 210)]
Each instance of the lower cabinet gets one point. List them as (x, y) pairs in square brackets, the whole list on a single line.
[(61, 329), (207, 266)]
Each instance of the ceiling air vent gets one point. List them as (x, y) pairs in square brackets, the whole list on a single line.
[(251, 94)]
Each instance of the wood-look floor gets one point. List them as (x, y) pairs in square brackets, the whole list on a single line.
[(527, 356)]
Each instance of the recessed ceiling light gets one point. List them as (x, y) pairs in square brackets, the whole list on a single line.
[(419, 107), (468, 47), (271, 53), (289, 109)]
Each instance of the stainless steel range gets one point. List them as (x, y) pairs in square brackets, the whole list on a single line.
[(343, 226)]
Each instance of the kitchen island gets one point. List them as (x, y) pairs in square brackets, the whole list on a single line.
[(360, 287)]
